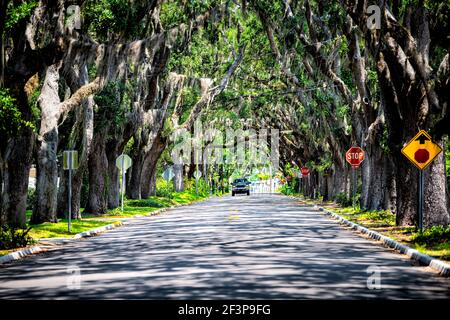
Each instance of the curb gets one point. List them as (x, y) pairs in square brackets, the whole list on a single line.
[(19, 254), (16, 255), (98, 230), (440, 266)]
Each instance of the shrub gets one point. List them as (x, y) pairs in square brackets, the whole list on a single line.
[(146, 203), (164, 188), (435, 234), (343, 200), (286, 189), (11, 238)]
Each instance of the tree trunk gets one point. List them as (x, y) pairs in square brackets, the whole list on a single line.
[(114, 181), (47, 179), (134, 185), (178, 183), (18, 163), (374, 192), (152, 157), (436, 210), (98, 176), (47, 167)]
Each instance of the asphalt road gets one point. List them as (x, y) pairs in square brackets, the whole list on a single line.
[(257, 247)]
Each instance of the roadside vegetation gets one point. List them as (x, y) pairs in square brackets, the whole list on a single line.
[(434, 241), (12, 239)]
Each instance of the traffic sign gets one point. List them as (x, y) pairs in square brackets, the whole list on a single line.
[(197, 174), (305, 171), (70, 159), (70, 162), (421, 150), (123, 162), (168, 174), (354, 156)]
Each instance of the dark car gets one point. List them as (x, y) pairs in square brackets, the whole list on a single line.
[(240, 185)]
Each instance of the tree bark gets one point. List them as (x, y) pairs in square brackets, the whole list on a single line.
[(47, 167), (98, 176), (149, 171), (15, 190)]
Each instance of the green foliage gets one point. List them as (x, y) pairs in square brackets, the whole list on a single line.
[(172, 14), (433, 235), (286, 189), (11, 121), (164, 188), (343, 199), (18, 13), (151, 202), (11, 238), (113, 102), (104, 17), (31, 198), (203, 186)]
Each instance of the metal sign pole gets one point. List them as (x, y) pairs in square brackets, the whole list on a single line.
[(196, 179), (123, 179), (70, 190), (271, 182), (354, 187), (420, 189)]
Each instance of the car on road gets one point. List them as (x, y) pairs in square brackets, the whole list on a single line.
[(240, 185)]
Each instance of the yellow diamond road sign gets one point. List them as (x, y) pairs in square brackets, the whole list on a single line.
[(421, 150)]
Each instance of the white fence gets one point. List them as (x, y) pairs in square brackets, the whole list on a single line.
[(264, 186)]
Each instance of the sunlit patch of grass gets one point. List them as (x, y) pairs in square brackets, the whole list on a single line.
[(3, 252), (59, 229), (439, 251), (142, 207)]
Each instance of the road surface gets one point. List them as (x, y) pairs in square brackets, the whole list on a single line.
[(257, 247)]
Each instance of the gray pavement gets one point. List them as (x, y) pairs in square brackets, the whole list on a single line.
[(257, 247)]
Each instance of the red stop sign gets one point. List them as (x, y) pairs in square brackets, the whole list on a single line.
[(421, 155), (305, 171), (354, 156)]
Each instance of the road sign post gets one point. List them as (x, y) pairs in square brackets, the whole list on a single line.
[(420, 194), (421, 151), (354, 156), (123, 163), (305, 173), (197, 176), (70, 162), (354, 187)]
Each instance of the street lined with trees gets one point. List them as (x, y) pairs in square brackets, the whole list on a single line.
[(116, 76)]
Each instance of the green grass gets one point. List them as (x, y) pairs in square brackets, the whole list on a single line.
[(381, 218), (59, 229), (133, 208), (3, 252)]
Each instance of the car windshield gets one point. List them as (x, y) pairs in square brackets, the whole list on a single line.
[(240, 180)]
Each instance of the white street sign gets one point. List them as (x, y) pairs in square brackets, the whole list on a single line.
[(123, 162), (197, 174), (168, 174)]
